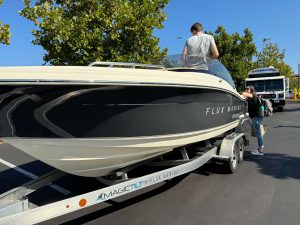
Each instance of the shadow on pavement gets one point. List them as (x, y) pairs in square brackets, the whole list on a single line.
[(116, 206), (11, 178), (279, 166), (297, 109), (211, 168), (279, 126)]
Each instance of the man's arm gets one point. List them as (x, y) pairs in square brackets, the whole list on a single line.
[(214, 49), (247, 95), (215, 52), (183, 56)]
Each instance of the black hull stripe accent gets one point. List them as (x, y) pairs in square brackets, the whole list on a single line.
[(102, 111)]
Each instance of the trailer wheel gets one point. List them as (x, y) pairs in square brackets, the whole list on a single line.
[(232, 163), (241, 147)]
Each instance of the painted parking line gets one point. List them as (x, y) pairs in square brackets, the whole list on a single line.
[(33, 176)]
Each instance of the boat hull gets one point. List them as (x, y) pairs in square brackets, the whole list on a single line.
[(99, 157), (94, 127)]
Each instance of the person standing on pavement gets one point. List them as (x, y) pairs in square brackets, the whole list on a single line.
[(200, 45), (253, 109)]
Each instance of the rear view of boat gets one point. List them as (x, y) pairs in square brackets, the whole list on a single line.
[(91, 121)]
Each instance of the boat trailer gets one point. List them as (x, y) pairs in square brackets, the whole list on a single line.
[(15, 207)]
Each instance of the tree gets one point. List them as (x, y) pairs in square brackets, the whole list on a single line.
[(236, 53), (271, 56), (76, 32), (293, 82), (4, 32)]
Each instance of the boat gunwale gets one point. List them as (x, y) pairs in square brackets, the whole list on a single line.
[(105, 82)]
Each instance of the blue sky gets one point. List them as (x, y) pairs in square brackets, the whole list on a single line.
[(275, 19)]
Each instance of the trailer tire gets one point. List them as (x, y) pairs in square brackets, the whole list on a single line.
[(232, 163), (241, 147)]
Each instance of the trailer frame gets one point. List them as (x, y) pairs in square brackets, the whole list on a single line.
[(15, 207)]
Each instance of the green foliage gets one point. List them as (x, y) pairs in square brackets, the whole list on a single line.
[(4, 32), (236, 53), (271, 56), (293, 82), (76, 32)]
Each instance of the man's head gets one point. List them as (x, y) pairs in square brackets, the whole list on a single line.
[(196, 28), (250, 89)]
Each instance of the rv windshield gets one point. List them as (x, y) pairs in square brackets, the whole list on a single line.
[(274, 85), (266, 85), (259, 85), (200, 64)]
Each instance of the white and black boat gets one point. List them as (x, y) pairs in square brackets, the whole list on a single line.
[(91, 121)]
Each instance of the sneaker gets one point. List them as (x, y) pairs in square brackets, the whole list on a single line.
[(256, 152), (261, 149)]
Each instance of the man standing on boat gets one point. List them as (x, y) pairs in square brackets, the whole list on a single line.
[(198, 47)]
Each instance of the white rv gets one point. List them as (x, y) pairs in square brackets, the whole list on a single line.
[(270, 85)]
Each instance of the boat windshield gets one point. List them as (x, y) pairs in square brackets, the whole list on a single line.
[(200, 64)]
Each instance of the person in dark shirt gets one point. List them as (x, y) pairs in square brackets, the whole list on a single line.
[(253, 108)]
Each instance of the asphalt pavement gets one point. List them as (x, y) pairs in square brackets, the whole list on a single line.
[(264, 190)]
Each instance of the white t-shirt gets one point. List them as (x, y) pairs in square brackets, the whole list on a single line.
[(199, 46)]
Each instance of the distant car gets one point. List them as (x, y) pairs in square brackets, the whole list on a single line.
[(290, 95)]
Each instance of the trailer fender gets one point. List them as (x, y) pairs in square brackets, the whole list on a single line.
[(227, 147)]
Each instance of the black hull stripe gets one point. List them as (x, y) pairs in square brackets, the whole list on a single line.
[(95, 111)]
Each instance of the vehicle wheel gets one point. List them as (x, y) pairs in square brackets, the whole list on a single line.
[(232, 164), (241, 147), (280, 109)]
